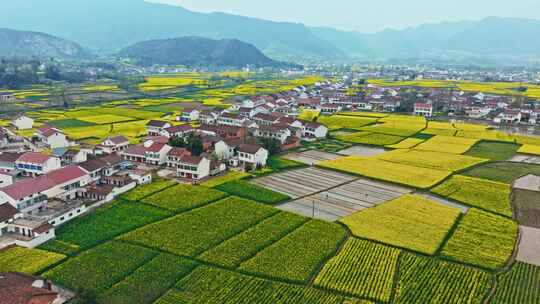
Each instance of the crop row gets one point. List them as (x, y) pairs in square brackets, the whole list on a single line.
[(250, 191), (108, 223), (143, 191), (369, 138), (210, 285), (30, 261), (410, 221), (101, 267), (393, 172), (482, 239), (363, 269), (484, 194), (448, 144), (337, 122), (150, 281), (183, 197), (196, 231), (431, 160), (427, 280), (236, 250), (305, 250), (521, 285)]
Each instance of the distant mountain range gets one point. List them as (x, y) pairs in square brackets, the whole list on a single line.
[(197, 51), (34, 44), (110, 25)]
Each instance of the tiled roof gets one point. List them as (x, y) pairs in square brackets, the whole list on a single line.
[(16, 288), (135, 150), (34, 158), (119, 140), (9, 157), (193, 160), (157, 123), (180, 128), (155, 147), (27, 187), (7, 211), (175, 151), (251, 149), (65, 174)]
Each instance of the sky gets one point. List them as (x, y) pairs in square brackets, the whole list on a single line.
[(367, 16)]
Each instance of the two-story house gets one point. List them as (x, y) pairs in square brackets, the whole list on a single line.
[(314, 130), (51, 137), (193, 167), (180, 131), (189, 115), (114, 144), (278, 132), (154, 127), (251, 157), (34, 163), (230, 119), (23, 122)]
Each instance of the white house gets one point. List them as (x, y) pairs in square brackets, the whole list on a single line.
[(229, 119), (34, 163), (508, 116), (251, 157), (193, 167), (6, 179), (189, 115), (150, 152), (23, 122), (314, 130), (280, 133), (114, 144), (6, 97), (177, 131), (423, 109), (52, 137), (226, 149), (154, 127)]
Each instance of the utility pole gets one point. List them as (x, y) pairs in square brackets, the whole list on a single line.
[(313, 213)]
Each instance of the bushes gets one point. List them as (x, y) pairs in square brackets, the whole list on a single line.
[(196, 231), (387, 171), (363, 269), (484, 194), (183, 197), (236, 250), (100, 267), (482, 239), (108, 223), (257, 193), (30, 261), (303, 250), (425, 280), (410, 221)]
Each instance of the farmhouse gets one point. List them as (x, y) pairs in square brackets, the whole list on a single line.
[(7, 161), (223, 131), (508, 116), (251, 157), (280, 133), (189, 115), (154, 127), (314, 130), (51, 137), (330, 108), (229, 119), (6, 97), (23, 122), (114, 144), (423, 109), (18, 288), (177, 131), (34, 163), (70, 156), (193, 167), (150, 152)]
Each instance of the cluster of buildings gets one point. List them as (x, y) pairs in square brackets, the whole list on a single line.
[(39, 191)]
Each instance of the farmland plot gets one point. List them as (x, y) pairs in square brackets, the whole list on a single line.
[(201, 228), (211, 285), (482, 239), (254, 192), (447, 144), (101, 267), (505, 172), (303, 182), (425, 280), (521, 285), (344, 200), (483, 194), (345, 122), (143, 191), (529, 245), (410, 221), (183, 197), (431, 160), (310, 157), (29, 261), (238, 249), (387, 171), (361, 151), (304, 250), (363, 269), (530, 149)]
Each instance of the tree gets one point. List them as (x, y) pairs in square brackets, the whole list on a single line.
[(177, 142), (195, 145), (272, 145)]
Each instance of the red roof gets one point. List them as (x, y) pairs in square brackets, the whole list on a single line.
[(30, 186), (422, 105), (119, 140), (17, 288), (175, 151), (135, 150), (34, 158), (250, 149), (180, 128), (155, 147), (193, 160)]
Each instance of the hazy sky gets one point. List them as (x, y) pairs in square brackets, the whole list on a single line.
[(367, 16)]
